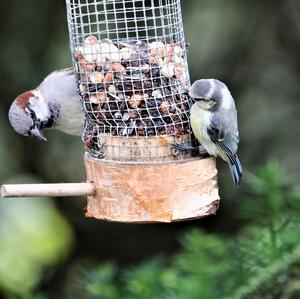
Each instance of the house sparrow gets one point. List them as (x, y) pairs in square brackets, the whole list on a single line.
[(55, 103), (214, 122)]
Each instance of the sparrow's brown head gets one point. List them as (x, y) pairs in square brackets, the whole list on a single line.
[(28, 114)]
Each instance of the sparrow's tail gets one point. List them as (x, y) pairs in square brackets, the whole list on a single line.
[(236, 170)]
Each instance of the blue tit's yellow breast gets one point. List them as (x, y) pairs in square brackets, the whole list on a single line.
[(200, 121), (197, 126)]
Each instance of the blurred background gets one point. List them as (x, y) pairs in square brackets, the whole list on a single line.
[(250, 249)]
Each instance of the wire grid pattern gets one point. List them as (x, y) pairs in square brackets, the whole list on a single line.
[(130, 59)]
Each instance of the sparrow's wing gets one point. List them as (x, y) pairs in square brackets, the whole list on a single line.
[(69, 71), (59, 86)]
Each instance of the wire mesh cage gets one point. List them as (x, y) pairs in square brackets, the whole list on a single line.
[(130, 60), (131, 64)]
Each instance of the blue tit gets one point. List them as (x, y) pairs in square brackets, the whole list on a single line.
[(214, 123)]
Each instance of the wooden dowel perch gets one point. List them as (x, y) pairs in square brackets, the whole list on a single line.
[(36, 190)]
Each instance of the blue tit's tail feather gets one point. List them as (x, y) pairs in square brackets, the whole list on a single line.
[(234, 163), (236, 170)]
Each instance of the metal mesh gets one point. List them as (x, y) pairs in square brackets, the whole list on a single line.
[(131, 66)]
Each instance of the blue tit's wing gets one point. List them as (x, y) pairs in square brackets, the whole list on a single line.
[(215, 131), (218, 136)]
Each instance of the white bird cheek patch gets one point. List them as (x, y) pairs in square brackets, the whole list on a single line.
[(40, 109)]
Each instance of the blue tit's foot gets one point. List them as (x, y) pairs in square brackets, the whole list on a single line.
[(202, 151), (196, 151), (183, 148)]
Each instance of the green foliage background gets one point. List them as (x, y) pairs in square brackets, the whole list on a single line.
[(250, 249)]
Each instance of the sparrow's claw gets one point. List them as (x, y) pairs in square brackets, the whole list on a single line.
[(94, 87)]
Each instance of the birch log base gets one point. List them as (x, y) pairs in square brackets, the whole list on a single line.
[(162, 192)]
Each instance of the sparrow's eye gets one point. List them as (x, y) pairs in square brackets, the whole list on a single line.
[(32, 115)]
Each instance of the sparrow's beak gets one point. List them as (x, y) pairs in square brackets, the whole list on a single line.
[(38, 133)]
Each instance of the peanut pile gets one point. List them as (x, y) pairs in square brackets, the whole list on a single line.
[(132, 89)]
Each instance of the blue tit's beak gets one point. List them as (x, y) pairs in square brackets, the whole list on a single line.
[(38, 134)]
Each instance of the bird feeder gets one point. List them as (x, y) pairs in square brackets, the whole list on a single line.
[(130, 61)]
